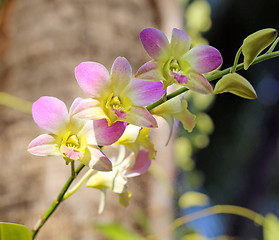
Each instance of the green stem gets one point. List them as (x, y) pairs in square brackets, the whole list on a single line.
[(236, 59), (218, 209), (73, 172), (55, 203), (214, 77), (273, 46), (78, 185)]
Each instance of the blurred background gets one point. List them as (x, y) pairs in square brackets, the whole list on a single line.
[(231, 157)]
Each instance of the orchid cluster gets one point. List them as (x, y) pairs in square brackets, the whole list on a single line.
[(109, 131)]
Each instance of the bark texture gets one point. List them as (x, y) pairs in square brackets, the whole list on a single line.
[(43, 42)]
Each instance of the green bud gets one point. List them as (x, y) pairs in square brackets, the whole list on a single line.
[(236, 84), (255, 43)]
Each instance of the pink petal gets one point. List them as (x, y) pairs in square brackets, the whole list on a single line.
[(44, 145), (199, 84), (107, 135), (141, 117), (143, 93), (141, 165), (71, 153), (92, 77), (181, 79), (154, 42), (50, 114), (203, 58), (96, 159), (121, 74), (88, 109), (180, 43), (74, 105), (150, 71)]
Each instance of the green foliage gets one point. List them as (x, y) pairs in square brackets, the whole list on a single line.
[(11, 231), (115, 231)]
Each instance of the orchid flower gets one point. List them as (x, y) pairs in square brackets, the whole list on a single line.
[(137, 138), (124, 166), (175, 62), (70, 138), (176, 108), (116, 96)]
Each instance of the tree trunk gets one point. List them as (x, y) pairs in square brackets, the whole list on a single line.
[(44, 41)]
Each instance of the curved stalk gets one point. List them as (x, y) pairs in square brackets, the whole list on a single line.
[(55, 203), (218, 209)]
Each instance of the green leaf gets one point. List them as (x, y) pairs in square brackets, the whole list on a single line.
[(114, 231), (11, 231)]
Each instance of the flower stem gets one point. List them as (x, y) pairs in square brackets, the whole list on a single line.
[(218, 209), (55, 203), (214, 77), (73, 172), (236, 59), (78, 185), (273, 46)]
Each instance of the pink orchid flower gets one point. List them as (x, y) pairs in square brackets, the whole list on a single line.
[(70, 138), (116, 96), (175, 62), (124, 166)]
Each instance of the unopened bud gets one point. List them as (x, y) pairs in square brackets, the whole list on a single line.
[(255, 43), (236, 84)]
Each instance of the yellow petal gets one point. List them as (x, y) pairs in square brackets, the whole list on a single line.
[(255, 43), (124, 198), (236, 84)]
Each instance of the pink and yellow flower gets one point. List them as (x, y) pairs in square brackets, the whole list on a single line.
[(124, 165), (71, 138), (175, 62), (116, 96)]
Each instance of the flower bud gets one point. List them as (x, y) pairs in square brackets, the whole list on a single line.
[(255, 43), (236, 84)]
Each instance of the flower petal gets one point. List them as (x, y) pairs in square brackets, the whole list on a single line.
[(107, 135), (180, 43), (96, 159), (114, 181), (186, 118), (74, 105), (199, 84), (92, 77), (88, 131), (141, 164), (143, 93), (89, 109), (50, 114), (150, 71), (121, 74), (154, 41), (130, 134), (44, 145), (140, 116), (203, 58)]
